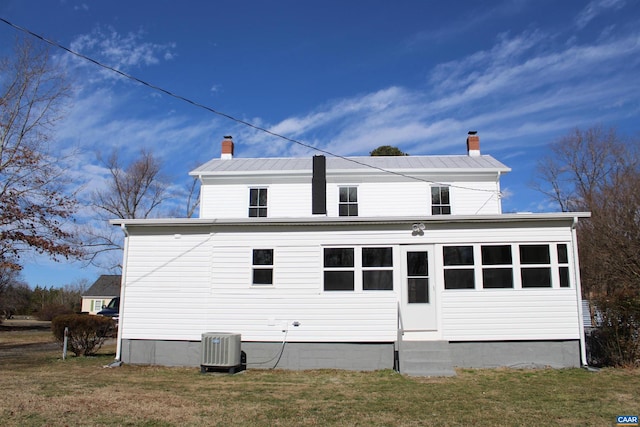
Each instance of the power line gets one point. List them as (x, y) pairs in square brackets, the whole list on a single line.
[(225, 115)]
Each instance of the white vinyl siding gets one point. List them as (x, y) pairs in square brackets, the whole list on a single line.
[(375, 199), (523, 314), (179, 285)]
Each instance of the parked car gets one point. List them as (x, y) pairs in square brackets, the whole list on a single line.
[(112, 309)]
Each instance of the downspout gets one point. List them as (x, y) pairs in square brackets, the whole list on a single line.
[(123, 281), (498, 192), (576, 273)]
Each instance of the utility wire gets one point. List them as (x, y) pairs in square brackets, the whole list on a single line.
[(225, 115)]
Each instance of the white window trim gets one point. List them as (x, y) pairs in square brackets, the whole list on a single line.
[(248, 203), (338, 197), (358, 268), (516, 265), (252, 267)]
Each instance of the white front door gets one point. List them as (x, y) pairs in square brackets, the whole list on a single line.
[(417, 302)]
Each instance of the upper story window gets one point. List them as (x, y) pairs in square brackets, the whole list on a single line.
[(348, 204), (440, 202), (257, 202)]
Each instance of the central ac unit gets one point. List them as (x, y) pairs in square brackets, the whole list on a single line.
[(220, 350)]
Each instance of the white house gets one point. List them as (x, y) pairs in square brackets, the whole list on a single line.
[(356, 263), (103, 290)]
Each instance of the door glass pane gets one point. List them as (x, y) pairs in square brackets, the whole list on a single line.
[(417, 264), (418, 290)]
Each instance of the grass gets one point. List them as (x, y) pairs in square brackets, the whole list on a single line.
[(41, 389)]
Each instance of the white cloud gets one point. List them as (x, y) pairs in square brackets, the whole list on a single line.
[(595, 8)]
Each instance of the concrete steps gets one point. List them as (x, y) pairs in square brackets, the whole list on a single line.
[(425, 359)]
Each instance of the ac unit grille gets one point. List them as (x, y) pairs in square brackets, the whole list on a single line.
[(220, 349)]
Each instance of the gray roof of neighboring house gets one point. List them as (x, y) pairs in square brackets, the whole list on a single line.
[(107, 285), (372, 163)]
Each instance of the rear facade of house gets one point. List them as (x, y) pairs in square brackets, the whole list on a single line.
[(354, 263)]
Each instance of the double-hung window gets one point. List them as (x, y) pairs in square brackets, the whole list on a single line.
[(377, 269), (257, 202), (440, 201), (497, 269), (262, 267), (339, 269), (348, 201), (458, 267), (536, 266)]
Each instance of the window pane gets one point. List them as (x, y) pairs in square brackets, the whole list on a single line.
[(417, 264), (444, 195), (534, 254), (353, 194), (353, 210), (262, 276), (253, 197), (418, 291), (496, 255), (344, 194), (564, 277), (459, 279), (458, 255), (343, 210), (377, 280), (338, 257), (537, 277), (338, 280), (377, 257), (497, 278), (435, 195), (445, 210), (262, 199), (562, 254), (253, 212), (263, 257)]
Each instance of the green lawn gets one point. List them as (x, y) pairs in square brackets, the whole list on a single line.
[(41, 389)]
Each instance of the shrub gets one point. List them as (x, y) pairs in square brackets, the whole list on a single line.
[(616, 339), (49, 311), (87, 333)]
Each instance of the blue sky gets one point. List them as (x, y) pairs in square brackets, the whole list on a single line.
[(344, 76)]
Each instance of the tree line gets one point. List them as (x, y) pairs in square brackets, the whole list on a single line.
[(18, 298)]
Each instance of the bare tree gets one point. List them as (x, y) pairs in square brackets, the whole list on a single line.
[(599, 171), (134, 191), (35, 203)]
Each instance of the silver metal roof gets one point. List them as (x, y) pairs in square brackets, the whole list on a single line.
[(336, 164)]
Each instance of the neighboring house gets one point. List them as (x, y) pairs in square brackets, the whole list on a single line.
[(100, 293), (356, 263)]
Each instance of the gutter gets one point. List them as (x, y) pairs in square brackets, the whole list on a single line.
[(123, 282), (576, 274)]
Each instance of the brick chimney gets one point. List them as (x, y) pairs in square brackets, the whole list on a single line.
[(227, 148), (473, 143)]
